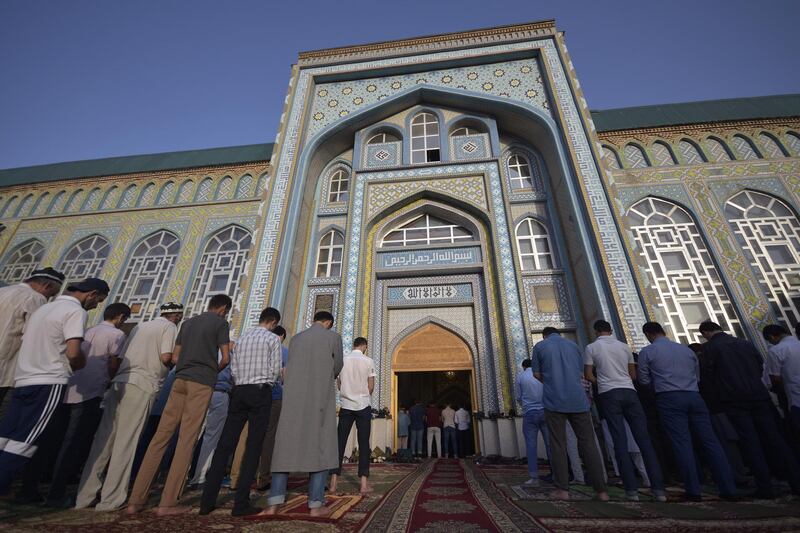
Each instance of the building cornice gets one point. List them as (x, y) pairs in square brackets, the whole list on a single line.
[(416, 45), (688, 129)]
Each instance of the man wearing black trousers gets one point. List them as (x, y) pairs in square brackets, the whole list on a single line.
[(255, 367), (356, 383), (736, 368)]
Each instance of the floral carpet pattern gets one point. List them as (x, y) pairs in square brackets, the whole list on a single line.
[(433, 497)]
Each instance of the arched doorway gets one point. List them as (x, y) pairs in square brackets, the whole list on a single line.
[(434, 365)]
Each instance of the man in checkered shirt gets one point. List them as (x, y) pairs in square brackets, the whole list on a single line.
[(255, 367)]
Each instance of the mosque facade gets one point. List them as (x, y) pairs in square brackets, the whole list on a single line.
[(446, 197)]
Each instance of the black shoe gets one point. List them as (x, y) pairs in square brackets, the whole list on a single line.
[(760, 495), (32, 498), (692, 498), (206, 510), (247, 511), (730, 497)]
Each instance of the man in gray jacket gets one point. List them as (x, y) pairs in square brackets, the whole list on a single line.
[(306, 437)]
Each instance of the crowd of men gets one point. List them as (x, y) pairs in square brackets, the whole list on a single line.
[(668, 413), (113, 412)]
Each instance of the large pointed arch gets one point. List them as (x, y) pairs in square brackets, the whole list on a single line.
[(23, 259)]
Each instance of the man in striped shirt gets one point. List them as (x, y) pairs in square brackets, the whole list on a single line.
[(255, 366)]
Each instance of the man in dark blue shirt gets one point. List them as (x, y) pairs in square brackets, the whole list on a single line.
[(417, 415), (735, 368)]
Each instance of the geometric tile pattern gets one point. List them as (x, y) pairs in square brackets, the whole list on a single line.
[(466, 147), (382, 195)]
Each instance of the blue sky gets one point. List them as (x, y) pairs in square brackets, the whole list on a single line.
[(83, 79)]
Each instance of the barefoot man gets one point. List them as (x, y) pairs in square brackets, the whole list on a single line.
[(306, 438)]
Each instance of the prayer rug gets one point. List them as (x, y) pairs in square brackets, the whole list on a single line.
[(297, 508)]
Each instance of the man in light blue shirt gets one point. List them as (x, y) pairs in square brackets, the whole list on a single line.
[(529, 392), (558, 364), (672, 370)]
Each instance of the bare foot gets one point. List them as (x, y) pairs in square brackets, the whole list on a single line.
[(560, 495), (602, 496), (169, 511), (365, 489), (334, 483), (320, 512), (134, 509), (272, 510)]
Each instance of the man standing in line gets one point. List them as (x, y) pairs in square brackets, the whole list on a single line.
[(449, 440), (50, 352), (783, 363), (736, 367), (264, 465), (356, 383), (417, 415), (672, 369), (197, 366), (464, 433), (616, 370), (255, 367), (433, 419), (17, 304), (215, 421), (306, 439), (558, 364), (529, 391), (77, 418), (145, 360)]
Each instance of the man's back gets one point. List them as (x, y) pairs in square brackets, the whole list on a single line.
[(529, 391), (417, 415), (669, 366), (784, 361), (199, 338), (448, 417), (610, 358), (561, 364), (354, 378), (141, 363), (736, 368), (17, 303)]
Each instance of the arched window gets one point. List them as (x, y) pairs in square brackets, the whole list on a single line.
[(425, 139), (225, 189), (147, 273), (635, 156), (329, 255), (21, 261), (683, 273), (128, 197), (382, 137), (717, 150), (690, 152), (58, 203), (74, 202), (244, 185), (522, 174), (465, 130), (769, 232), (662, 154), (262, 185), (772, 147), (166, 195), (221, 267), (85, 259), (41, 204), (6, 210), (793, 142), (425, 229), (91, 200), (185, 192), (109, 198), (204, 191), (533, 246), (148, 195), (611, 157), (339, 186), (744, 148), (24, 206)]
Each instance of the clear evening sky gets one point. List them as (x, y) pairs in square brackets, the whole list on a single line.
[(84, 79)]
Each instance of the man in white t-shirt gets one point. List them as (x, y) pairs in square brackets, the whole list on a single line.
[(616, 369), (145, 361), (356, 383), (449, 439), (17, 304), (783, 363), (50, 351)]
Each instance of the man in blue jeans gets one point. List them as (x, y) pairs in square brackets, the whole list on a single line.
[(616, 370), (672, 370), (417, 415), (528, 391)]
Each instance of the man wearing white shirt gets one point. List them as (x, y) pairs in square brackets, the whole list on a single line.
[(50, 351), (613, 361), (783, 362), (356, 383)]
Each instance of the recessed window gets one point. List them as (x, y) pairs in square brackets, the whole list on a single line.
[(426, 229), (425, 146), (338, 187), (545, 298), (533, 246), (383, 137), (464, 131), (329, 255), (519, 170)]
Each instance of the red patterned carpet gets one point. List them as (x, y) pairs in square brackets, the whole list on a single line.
[(434, 496)]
